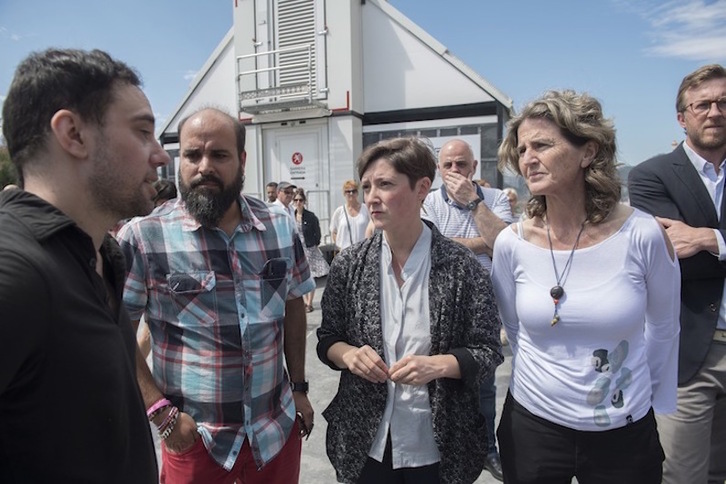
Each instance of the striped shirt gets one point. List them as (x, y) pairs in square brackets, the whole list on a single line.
[(455, 221), (215, 306)]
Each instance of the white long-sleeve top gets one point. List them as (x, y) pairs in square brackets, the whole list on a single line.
[(614, 352)]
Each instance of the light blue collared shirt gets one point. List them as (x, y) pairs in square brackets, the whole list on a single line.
[(714, 185)]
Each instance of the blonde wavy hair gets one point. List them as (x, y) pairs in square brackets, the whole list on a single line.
[(580, 119)]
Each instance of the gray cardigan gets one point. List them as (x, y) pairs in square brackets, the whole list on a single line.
[(464, 323)]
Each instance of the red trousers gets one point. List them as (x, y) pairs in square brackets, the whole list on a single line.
[(196, 466)]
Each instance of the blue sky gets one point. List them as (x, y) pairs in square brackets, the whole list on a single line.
[(630, 54)]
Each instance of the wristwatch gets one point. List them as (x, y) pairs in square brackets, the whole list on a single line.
[(299, 386), (472, 205)]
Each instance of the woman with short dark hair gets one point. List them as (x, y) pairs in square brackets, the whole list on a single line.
[(410, 321)]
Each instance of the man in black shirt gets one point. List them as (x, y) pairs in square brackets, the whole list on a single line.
[(80, 133)]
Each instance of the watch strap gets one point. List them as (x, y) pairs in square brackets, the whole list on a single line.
[(299, 386)]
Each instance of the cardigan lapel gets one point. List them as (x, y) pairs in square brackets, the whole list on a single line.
[(372, 326)]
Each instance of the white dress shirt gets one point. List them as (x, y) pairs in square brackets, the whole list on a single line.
[(406, 331)]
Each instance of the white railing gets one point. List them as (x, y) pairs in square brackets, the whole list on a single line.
[(279, 91)]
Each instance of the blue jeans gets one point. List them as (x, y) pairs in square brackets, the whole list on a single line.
[(488, 408)]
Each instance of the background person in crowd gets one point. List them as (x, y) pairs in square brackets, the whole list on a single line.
[(349, 221), (472, 215), (271, 189), (219, 278), (308, 227), (587, 289), (409, 317), (513, 198), (482, 183), (285, 194), (165, 190), (684, 189), (80, 133)]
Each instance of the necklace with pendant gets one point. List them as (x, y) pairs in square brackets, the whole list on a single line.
[(558, 290)]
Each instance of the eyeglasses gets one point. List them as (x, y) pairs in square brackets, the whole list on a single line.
[(298, 200), (700, 108), (288, 192), (350, 192)]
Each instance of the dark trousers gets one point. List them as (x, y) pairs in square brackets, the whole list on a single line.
[(375, 472), (534, 450), (488, 408)]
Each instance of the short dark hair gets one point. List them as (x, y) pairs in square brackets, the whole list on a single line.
[(239, 128), (272, 185), (409, 156), (46, 82)]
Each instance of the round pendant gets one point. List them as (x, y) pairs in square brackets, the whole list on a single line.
[(557, 292)]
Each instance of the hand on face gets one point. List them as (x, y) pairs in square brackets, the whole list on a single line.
[(459, 188)]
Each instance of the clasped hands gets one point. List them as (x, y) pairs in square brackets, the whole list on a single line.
[(410, 370)]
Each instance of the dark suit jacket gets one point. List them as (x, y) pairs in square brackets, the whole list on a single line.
[(669, 186)]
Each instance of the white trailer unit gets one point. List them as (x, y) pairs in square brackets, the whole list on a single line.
[(316, 81)]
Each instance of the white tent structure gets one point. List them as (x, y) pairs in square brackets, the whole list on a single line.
[(316, 81)]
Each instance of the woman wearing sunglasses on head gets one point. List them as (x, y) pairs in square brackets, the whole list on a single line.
[(349, 221)]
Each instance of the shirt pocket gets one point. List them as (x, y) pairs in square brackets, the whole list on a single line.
[(273, 288), (194, 297)]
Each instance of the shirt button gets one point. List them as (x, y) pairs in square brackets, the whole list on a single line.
[(92, 263)]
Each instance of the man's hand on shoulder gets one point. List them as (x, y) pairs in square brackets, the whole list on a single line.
[(687, 240)]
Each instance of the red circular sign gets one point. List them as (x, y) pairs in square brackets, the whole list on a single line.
[(297, 158)]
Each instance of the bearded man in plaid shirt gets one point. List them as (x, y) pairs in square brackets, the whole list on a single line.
[(219, 278)]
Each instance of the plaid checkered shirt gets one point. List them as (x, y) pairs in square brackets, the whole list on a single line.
[(215, 306)]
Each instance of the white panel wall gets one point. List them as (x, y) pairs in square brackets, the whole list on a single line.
[(346, 140), (217, 88), (344, 54), (402, 72)]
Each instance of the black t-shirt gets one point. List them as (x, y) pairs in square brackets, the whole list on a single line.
[(70, 407)]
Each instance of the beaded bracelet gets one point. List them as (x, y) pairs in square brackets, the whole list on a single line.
[(170, 426), (157, 407), (170, 416)]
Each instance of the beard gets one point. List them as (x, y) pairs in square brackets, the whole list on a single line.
[(113, 189), (708, 139), (204, 204)]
